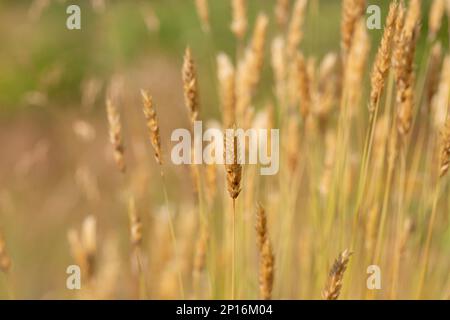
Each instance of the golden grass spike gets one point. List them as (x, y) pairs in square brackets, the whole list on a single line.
[(354, 73), (405, 76), (203, 13), (239, 22), (115, 134), (189, 75), (295, 32), (226, 77), (352, 10), (435, 18), (83, 246), (257, 45), (304, 86), (279, 67), (335, 277), (383, 58), (261, 226), (293, 143), (281, 12), (135, 224), (152, 124), (432, 80), (266, 270), (249, 68), (5, 260), (233, 166), (441, 99)]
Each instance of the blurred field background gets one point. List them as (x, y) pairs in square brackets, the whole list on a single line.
[(56, 166)]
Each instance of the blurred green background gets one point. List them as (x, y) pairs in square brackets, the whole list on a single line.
[(39, 54)]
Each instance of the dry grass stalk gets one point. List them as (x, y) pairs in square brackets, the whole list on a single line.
[(115, 134), (295, 32), (304, 86), (335, 277), (281, 12), (5, 260), (189, 74), (435, 18), (226, 76), (200, 253), (383, 58), (203, 13), (239, 22), (152, 124), (352, 10), (371, 228), (408, 228), (329, 161), (379, 142)]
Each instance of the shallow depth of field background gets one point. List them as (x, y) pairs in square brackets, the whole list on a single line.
[(53, 130)]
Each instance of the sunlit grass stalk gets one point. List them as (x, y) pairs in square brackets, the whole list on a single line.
[(172, 234), (399, 222), (426, 252)]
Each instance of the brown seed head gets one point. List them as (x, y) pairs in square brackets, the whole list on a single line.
[(335, 277), (233, 166), (404, 62), (261, 226), (383, 58), (190, 85), (152, 124), (304, 86), (266, 270), (352, 10), (354, 73), (115, 134)]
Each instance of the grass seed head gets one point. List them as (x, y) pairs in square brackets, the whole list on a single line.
[(152, 124), (335, 277)]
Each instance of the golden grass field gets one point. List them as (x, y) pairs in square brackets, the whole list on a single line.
[(86, 176)]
